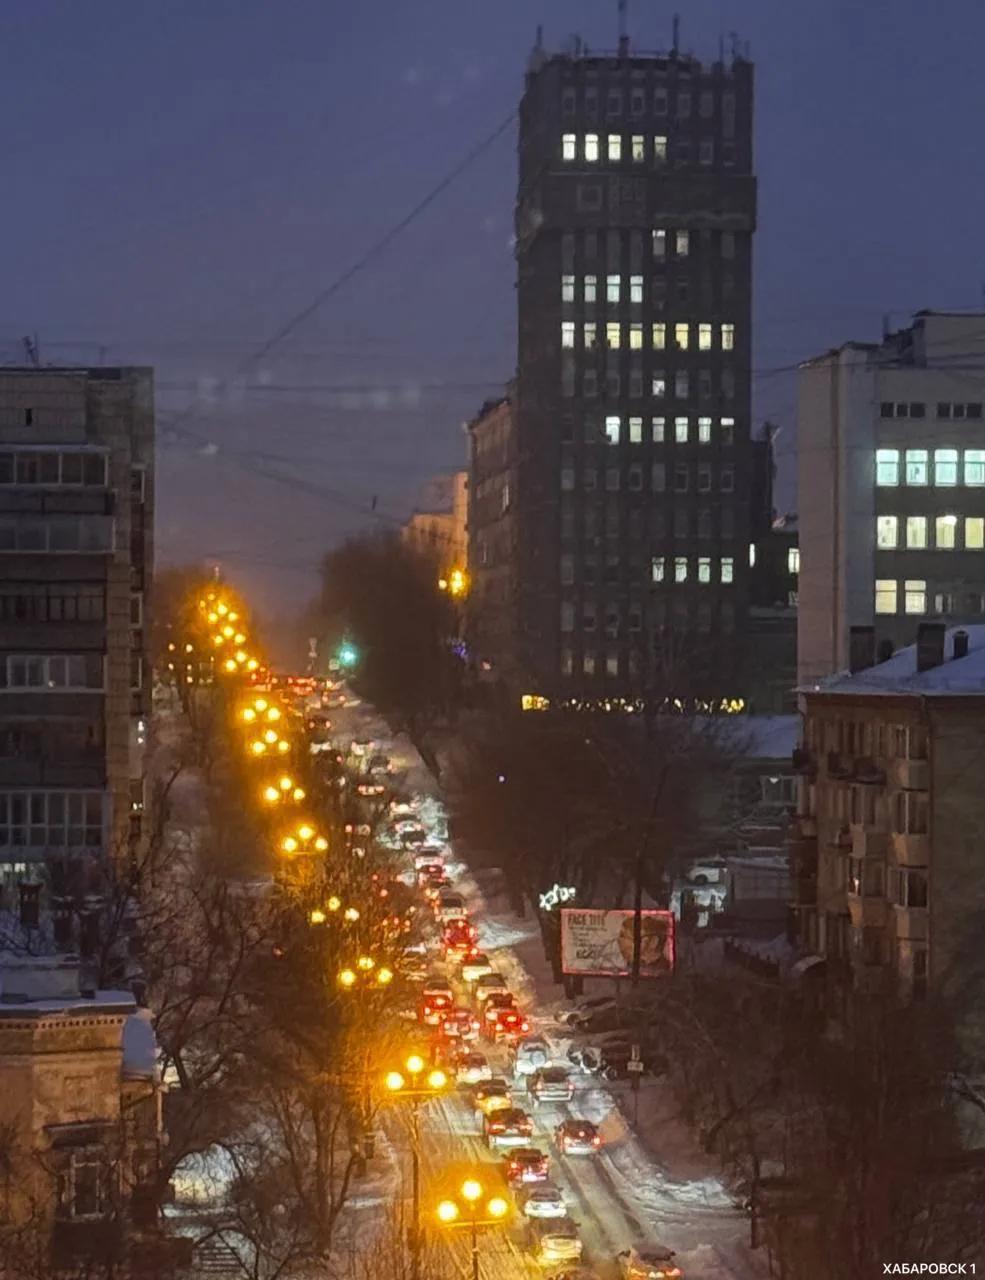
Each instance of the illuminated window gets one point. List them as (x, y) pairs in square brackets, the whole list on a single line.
[(659, 336), (945, 532), (728, 337), (636, 337), (728, 569), (680, 568), (611, 663), (704, 430), (658, 427), (974, 533), (613, 335), (657, 569), (615, 146), (916, 532), (887, 466), (636, 288), (917, 467), (886, 595), (752, 554), (887, 532), (567, 333), (591, 147), (591, 288), (681, 333), (660, 149), (793, 560), (612, 430), (567, 288), (682, 384), (612, 286), (704, 568), (588, 662), (681, 430), (682, 243), (660, 244), (915, 595), (638, 148), (728, 430), (704, 337), (945, 466), (658, 385), (636, 431), (569, 147), (974, 466), (591, 335)]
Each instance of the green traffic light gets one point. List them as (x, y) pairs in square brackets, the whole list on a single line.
[(348, 656)]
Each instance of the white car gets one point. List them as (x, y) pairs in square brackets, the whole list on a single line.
[(450, 906), (475, 967), (579, 1015), (473, 1068), (648, 1262), (555, 1241), (545, 1201)]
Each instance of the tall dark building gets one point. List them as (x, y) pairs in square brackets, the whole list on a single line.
[(636, 497)]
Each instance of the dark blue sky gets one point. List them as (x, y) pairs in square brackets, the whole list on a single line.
[(181, 176)]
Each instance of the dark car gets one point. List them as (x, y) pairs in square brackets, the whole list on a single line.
[(577, 1138), (526, 1164), (551, 1084), (507, 1127)]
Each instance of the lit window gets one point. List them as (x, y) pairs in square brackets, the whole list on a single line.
[(658, 385), (915, 595), (704, 569), (588, 660), (681, 332), (887, 532), (945, 466), (752, 554), (793, 560), (636, 337), (639, 148), (974, 466), (567, 333), (611, 663), (887, 466), (680, 568), (591, 147), (974, 533), (615, 146), (682, 384), (917, 467), (569, 146), (916, 532), (681, 430), (945, 532), (660, 243), (612, 430), (591, 288), (659, 336), (704, 430), (886, 595), (636, 431), (728, 337), (636, 288), (567, 288), (660, 149), (613, 335), (728, 430), (612, 288), (590, 335), (704, 337), (657, 569), (658, 427), (728, 568), (682, 243)]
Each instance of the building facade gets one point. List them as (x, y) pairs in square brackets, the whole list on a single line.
[(634, 460), (440, 530), (891, 487), (76, 551), (886, 850)]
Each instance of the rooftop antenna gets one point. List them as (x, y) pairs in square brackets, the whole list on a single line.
[(31, 347), (539, 44), (734, 42), (623, 34), (676, 42)]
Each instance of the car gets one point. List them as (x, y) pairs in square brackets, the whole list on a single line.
[(648, 1262), (460, 1024), (577, 1138), (427, 860), (492, 1010), (413, 838), (578, 1015), (542, 1200), (436, 1002), (493, 1095), (507, 1127), (528, 1055), (450, 906), (489, 984), (526, 1164), (379, 763), (509, 1023), (555, 1241), (370, 788), (472, 1068), (458, 938), (475, 966), (432, 882), (551, 1084)]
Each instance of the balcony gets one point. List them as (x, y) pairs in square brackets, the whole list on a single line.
[(867, 911), (910, 775), (867, 842), (910, 849), (911, 924)]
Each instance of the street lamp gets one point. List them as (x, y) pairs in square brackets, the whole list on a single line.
[(477, 1211)]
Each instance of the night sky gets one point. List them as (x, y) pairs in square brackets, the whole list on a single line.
[(182, 177)]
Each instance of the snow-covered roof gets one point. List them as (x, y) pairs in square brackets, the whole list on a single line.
[(899, 674), (139, 1045), (762, 737)]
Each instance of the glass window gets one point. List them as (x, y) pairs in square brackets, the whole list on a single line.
[(636, 337), (657, 569), (591, 335), (612, 430), (569, 146), (728, 244), (567, 570), (727, 480), (636, 288), (659, 243), (567, 288), (658, 477), (613, 103), (658, 335), (706, 151), (917, 467), (612, 288), (887, 532), (682, 243), (704, 430), (680, 568), (681, 426), (728, 568), (591, 147), (613, 335), (588, 658), (728, 337), (567, 478), (974, 466), (728, 430), (658, 385), (916, 533), (681, 333), (567, 333), (615, 146), (915, 595), (974, 533), (682, 385), (704, 477), (704, 337), (704, 569), (636, 431), (945, 532), (793, 560), (681, 478), (885, 595), (567, 616), (638, 148), (945, 466), (591, 288), (887, 466), (658, 427), (660, 148)]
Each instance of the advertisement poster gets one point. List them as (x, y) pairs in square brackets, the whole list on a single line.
[(601, 942)]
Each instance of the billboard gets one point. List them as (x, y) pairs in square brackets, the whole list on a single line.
[(601, 942)]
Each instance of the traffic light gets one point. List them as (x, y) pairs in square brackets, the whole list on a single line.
[(348, 655)]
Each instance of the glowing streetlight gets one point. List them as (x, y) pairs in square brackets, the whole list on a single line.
[(447, 1211), (347, 978), (317, 916)]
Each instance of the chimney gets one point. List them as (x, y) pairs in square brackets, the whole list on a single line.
[(960, 644), (930, 645), (30, 905), (861, 648)]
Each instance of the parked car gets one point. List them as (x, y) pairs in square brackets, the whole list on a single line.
[(577, 1138), (526, 1164), (647, 1262), (551, 1084), (577, 1015), (507, 1127)]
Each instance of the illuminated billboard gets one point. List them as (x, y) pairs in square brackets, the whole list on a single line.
[(601, 942)]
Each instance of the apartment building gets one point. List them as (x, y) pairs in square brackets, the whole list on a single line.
[(886, 850), (76, 550), (891, 487), (439, 528)]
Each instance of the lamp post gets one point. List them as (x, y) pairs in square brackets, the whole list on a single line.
[(449, 1213), (413, 1084)]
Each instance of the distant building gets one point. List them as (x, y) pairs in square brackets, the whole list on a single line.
[(440, 530), (636, 493), (892, 487), (76, 553), (80, 1110), (886, 852), (770, 672)]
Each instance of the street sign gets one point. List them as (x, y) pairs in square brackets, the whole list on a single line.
[(635, 1066)]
